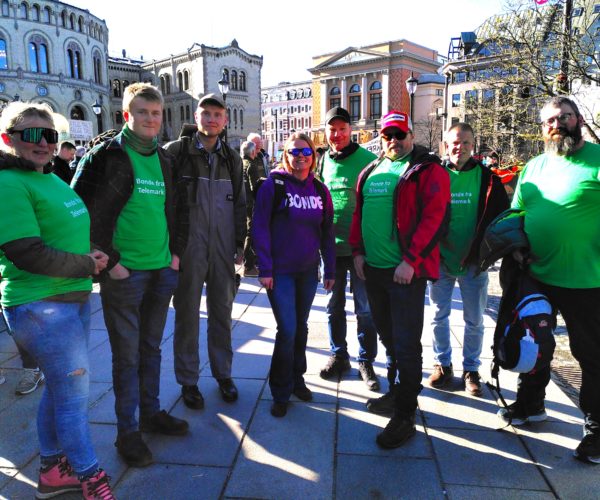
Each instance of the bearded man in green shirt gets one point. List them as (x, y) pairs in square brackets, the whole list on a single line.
[(560, 194)]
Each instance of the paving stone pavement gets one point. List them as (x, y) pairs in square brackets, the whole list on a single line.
[(321, 449)]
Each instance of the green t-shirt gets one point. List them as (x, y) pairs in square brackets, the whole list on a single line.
[(340, 176), (561, 199), (141, 235), (40, 205), (380, 236), (464, 190)]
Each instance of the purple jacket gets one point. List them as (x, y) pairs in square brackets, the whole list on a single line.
[(287, 239)]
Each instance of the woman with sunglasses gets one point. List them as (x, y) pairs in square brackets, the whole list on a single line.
[(292, 228), (46, 264)]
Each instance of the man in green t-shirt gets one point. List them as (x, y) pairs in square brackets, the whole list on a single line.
[(560, 194), (139, 217), (478, 197), (339, 169)]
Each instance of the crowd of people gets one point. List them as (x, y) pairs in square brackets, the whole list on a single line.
[(152, 223)]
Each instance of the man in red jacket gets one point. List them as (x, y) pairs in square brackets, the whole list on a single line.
[(402, 210)]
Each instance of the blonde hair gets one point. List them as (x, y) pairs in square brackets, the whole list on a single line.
[(143, 90), (17, 112), (299, 136)]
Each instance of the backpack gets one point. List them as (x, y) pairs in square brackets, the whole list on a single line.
[(280, 195)]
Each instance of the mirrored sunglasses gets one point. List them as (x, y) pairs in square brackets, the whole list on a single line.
[(34, 135), (296, 151)]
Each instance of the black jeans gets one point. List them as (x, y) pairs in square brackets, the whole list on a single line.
[(397, 312), (580, 308)]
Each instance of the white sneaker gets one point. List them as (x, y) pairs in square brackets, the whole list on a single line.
[(32, 377)]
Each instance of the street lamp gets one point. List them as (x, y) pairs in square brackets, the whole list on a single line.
[(274, 113), (411, 87), (97, 109), (223, 84)]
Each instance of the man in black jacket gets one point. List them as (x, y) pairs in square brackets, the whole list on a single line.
[(60, 163), (139, 217), (477, 198)]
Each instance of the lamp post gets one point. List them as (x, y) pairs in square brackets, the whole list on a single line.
[(411, 87), (223, 84), (97, 109), (274, 113)]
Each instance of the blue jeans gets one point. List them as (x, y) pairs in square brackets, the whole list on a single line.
[(135, 313), (473, 290), (398, 312), (56, 335), (336, 311), (291, 299)]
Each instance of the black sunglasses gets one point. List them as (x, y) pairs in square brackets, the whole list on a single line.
[(400, 136), (296, 151), (34, 135)]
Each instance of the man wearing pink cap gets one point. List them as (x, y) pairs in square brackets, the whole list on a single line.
[(402, 210)]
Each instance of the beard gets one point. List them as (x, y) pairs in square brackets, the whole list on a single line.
[(562, 142)]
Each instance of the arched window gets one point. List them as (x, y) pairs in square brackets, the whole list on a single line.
[(5, 8), (74, 61), (63, 18), (77, 113), (119, 117), (168, 85), (97, 68), (242, 119), (35, 13), (235, 118), (186, 80), (233, 83), (335, 100), (80, 24), (72, 21), (169, 117), (23, 11), (180, 80), (46, 13), (354, 102), (116, 87), (3, 52), (375, 100), (181, 114), (228, 116), (38, 55), (187, 113), (242, 81), (226, 75)]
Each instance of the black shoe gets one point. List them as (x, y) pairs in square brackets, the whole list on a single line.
[(335, 367), (397, 432), (133, 450), (303, 393), (278, 409), (366, 372), (589, 449), (384, 405), (229, 391), (472, 381), (192, 397), (518, 414), (163, 423)]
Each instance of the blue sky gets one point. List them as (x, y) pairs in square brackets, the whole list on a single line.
[(286, 34)]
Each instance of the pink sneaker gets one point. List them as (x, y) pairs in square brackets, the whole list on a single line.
[(57, 479), (97, 487)]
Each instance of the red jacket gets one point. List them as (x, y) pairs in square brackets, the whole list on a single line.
[(421, 212)]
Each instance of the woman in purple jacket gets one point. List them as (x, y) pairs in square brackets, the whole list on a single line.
[(292, 228)]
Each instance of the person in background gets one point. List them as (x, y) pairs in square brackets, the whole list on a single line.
[(46, 263), (61, 164), (290, 233), (254, 169)]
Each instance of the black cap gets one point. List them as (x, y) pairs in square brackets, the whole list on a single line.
[(339, 113)]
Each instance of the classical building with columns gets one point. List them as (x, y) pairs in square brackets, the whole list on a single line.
[(369, 81)]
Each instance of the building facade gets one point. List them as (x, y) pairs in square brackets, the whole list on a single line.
[(369, 81), (286, 108)]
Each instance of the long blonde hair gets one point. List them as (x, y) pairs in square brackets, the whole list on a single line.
[(302, 137)]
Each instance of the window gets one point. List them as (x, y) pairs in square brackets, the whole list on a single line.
[(242, 81), (242, 119), (455, 100), (181, 114), (335, 91), (439, 92), (180, 80), (187, 113), (97, 68), (5, 8), (460, 77), (77, 113), (63, 17), (233, 83), (72, 21), (488, 95), (119, 117), (165, 84), (80, 24), (74, 61), (471, 97), (46, 15), (354, 102), (3, 58), (116, 87), (38, 55), (23, 11), (577, 12), (186, 80), (35, 13), (335, 102), (235, 118), (375, 100), (597, 8)]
